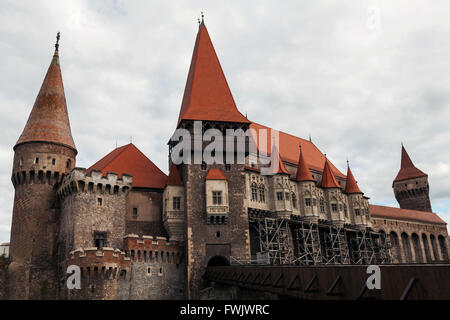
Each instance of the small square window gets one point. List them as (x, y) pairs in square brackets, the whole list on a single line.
[(99, 202), (99, 240), (334, 207)]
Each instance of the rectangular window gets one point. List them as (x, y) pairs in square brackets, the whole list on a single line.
[(53, 161), (357, 212), (135, 212), (334, 207), (176, 203), (36, 160), (228, 167), (99, 240), (279, 195), (286, 195), (99, 202), (217, 197), (308, 202)]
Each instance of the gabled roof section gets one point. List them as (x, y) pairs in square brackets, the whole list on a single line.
[(303, 173), (215, 174), (407, 168), (49, 119), (328, 178), (404, 214), (207, 95), (351, 186), (174, 178), (289, 151), (130, 160)]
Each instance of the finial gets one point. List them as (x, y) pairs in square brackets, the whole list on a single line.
[(310, 138), (58, 36), (198, 19), (300, 145), (246, 114), (326, 159), (203, 18), (131, 139), (348, 164)]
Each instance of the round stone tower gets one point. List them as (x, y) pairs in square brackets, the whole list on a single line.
[(43, 155)]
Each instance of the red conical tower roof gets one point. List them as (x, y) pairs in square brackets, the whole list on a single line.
[(407, 168), (303, 173), (207, 95), (49, 120), (351, 186), (174, 178), (275, 156), (328, 178)]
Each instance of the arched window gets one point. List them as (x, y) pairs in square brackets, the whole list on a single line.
[(254, 192), (444, 252), (294, 200), (262, 193)]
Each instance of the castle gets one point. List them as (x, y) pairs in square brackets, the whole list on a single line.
[(136, 233)]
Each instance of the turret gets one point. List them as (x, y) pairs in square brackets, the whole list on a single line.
[(334, 199), (43, 155), (281, 190), (411, 187), (308, 193), (357, 210), (173, 205)]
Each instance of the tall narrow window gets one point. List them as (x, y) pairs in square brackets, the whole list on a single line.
[(203, 166), (99, 202), (286, 195), (345, 210), (99, 240), (357, 212), (176, 203), (68, 164), (217, 197), (254, 192), (262, 193), (53, 161), (135, 213), (36, 160), (322, 205), (308, 202), (294, 200)]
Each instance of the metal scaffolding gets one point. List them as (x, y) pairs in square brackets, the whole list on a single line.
[(274, 240), (307, 244), (335, 245)]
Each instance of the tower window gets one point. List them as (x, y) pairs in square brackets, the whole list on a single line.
[(20, 162), (68, 163), (308, 202), (203, 165), (334, 207), (279, 195), (217, 197), (135, 213), (36, 160), (53, 161), (218, 234), (176, 203), (227, 166), (357, 212), (262, 193), (99, 202), (100, 240)]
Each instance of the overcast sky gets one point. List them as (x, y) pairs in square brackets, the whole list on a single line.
[(359, 76)]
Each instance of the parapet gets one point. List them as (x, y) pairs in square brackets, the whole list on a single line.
[(108, 263), (94, 181), (149, 248)]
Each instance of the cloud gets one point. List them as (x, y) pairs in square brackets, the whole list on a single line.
[(318, 68)]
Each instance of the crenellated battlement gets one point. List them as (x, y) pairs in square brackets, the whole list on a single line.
[(149, 248), (37, 177), (107, 263), (80, 181)]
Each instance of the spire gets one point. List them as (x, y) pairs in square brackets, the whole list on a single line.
[(207, 95), (407, 168), (303, 173), (351, 186), (275, 156), (174, 178), (328, 178), (49, 120)]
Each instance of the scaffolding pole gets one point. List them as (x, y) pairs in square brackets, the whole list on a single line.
[(307, 244), (335, 245)]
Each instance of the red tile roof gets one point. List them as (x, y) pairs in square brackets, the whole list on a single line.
[(328, 178), (289, 151), (215, 174), (275, 156), (49, 120), (207, 95), (174, 178), (404, 214), (303, 173), (407, 168), (130, 160), (351, 186)]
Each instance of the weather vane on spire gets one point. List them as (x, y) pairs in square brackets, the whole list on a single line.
[(58, 36)]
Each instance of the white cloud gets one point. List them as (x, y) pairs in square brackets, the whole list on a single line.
[(303, 67)]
